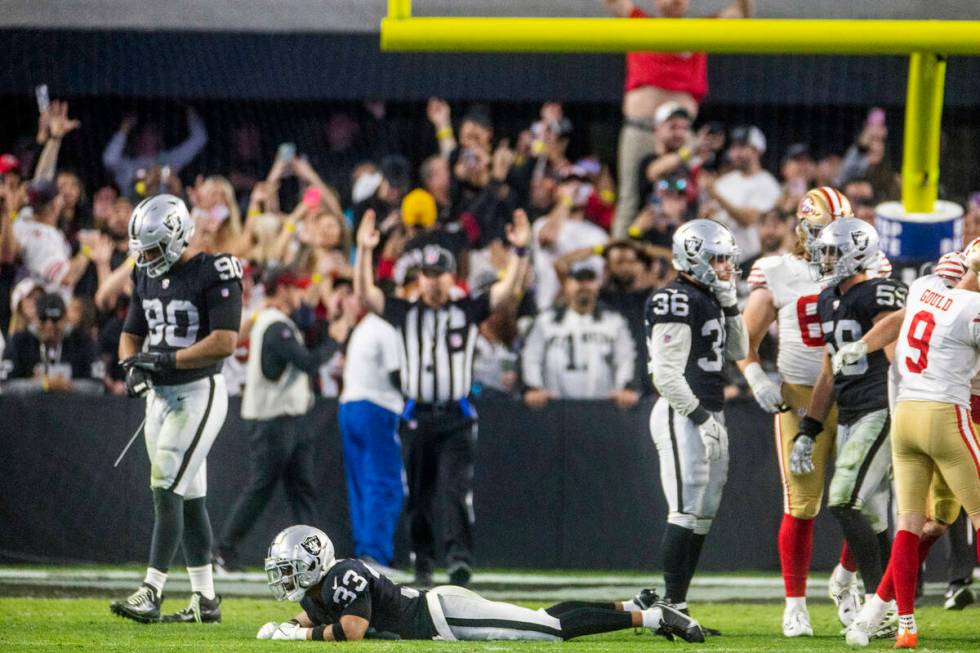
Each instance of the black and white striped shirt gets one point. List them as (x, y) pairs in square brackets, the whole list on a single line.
[(438, 345)]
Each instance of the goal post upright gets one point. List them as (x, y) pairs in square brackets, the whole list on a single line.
[(927, 42)]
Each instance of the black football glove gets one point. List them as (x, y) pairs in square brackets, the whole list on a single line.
[(137, 382), (152, 361)]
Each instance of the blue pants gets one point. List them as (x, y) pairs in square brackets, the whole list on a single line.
[(373, 464)]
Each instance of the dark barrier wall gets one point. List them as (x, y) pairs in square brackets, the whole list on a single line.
[(575, 485)]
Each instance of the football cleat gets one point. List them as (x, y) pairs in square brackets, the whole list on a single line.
[(958, 597), (796, 622), (847, 598), (460, 574), (143, 605), (674, 622), (889, 624), (200, 610), (646, 598), (906, 639), (859, 633)]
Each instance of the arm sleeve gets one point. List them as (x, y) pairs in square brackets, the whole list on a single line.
[(135, 322), (113, 154), (184, 153), (670, 345), (478, 308), (737, 338), (225, 306), (532, 357), (279, 344), (625, 356)]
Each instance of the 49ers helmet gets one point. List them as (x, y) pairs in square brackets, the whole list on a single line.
[(818, 208)]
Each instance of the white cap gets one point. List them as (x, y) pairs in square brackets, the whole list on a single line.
[(668, 110), (750, 135)]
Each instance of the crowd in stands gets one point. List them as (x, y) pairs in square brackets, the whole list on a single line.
[(66, 272)]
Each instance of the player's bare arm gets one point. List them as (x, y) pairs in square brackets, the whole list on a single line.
[(364, 286), (130, 344), (519, 235), (217, 346)]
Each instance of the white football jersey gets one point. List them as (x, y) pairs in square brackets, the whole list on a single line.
[(801, 345), (937, 347)]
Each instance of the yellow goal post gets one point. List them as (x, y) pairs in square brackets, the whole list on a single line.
[(927, 42)]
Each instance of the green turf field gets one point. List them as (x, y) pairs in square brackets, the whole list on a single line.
[(41, 624)]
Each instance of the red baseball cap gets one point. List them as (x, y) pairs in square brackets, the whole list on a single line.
[(9, 163)]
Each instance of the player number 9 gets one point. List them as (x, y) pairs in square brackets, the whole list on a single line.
[(228, 268)]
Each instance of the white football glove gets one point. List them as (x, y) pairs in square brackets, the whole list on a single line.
[(848, 354), (767, 393), (801, 460), (712, 434), (725, 293), (265, 632), (289, 631)]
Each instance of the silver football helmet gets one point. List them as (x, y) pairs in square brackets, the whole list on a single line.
[(298, 558), (698, 243), (159, 232), (844, 248)]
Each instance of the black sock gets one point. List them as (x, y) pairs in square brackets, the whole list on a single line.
[(559, 609), (675, 550), (863, 542), (168, 526), (197, 533), (590, 621), (693, 555), (884, 549)]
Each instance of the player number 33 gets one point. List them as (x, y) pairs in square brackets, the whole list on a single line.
[(352, 585)]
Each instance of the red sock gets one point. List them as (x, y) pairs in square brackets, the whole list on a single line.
[(904, 567), (795, 551), (847, 558), (886, 590)]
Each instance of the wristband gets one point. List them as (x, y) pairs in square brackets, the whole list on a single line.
[(567, 202), (810, 427), (520, 251), (317, 635), (444, 132), (608, 196), (699, 416), (85, 251), (730, 311), (684, 153), (13, 216), (635, 232), (44, 383), (338, 633), (131, 262), (290, 226), (252, 213), (598, 249)]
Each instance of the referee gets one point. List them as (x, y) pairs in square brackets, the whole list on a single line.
[(438, 335)]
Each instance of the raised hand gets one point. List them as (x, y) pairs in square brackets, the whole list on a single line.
[(519, 229), (438, 113), (367, 236), (59, 123)]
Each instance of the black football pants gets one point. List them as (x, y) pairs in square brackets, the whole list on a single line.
[(279, 448), (439, 449)]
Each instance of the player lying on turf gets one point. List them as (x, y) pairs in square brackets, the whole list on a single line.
[(346, 600)]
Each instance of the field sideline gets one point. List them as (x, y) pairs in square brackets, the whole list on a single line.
[(46, 608)]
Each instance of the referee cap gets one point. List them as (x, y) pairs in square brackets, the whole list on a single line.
[(438, 259)]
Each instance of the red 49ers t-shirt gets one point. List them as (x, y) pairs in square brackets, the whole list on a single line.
[(686, 72)]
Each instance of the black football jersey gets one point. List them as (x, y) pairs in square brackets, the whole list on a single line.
[(861, 386), (183, 306), (684, 302), (352, 588)]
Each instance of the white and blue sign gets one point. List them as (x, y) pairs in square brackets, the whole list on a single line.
[(911, 238)]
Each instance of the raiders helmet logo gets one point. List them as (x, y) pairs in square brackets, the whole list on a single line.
[(165, 283), (171, 222), (311, 545), (692, 245), (860, 239)]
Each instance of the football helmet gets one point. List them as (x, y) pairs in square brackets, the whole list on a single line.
[(950, 268), (160, 229), (818, 208), (697, 243), (298, 558), (844, 248)]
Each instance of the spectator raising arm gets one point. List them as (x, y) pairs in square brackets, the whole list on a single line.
[(364, 286), (52, 128), (184, 153), (439, 115), (519, 235)]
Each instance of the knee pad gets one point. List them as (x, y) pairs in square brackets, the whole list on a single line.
[(702, 526), (683, 520)]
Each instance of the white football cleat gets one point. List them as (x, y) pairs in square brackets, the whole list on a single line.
[(796, 622), (888, 627), (859, 633), (846, 596)]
